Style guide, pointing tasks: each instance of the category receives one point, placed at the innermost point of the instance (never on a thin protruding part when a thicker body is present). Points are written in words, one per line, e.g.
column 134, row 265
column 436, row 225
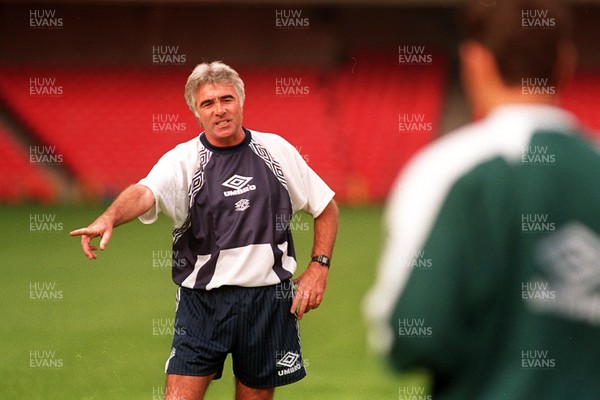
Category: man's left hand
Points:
column 311, row 287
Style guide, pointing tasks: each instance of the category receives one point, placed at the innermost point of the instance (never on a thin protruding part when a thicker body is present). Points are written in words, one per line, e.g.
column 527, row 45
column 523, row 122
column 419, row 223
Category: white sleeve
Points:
column 307, row 190
column 393, row 272
column 411, row 211
column 168, row 181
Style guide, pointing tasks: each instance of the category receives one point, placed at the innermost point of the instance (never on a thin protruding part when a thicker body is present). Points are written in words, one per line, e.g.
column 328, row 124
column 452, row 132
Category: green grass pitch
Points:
column 78, row 329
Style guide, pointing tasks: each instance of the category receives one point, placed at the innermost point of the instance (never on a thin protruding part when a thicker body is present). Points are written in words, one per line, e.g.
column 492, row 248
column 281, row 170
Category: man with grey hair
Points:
column 233, row 255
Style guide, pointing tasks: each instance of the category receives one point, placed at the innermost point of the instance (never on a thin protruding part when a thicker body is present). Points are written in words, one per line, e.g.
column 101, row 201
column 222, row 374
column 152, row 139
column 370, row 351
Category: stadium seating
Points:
column 112, row 124
column 297, row 103
column 19, row 179
column 387, row 111
column 101, row 120
column 352, row 124
column 356, row 124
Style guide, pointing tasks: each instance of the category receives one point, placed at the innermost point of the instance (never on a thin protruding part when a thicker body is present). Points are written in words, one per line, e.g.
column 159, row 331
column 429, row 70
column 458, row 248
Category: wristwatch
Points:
column 322, row 259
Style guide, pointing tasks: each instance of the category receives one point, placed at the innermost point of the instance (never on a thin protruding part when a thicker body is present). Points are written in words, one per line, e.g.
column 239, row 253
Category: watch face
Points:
column 323, row 260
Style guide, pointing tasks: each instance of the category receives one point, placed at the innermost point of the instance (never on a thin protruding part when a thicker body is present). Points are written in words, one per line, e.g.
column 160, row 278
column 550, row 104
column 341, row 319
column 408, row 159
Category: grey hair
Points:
column 213, row 72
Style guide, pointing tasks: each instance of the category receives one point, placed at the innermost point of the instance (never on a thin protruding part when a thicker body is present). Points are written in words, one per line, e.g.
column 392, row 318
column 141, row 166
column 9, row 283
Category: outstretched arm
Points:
column 131, row 203
column 312, row 283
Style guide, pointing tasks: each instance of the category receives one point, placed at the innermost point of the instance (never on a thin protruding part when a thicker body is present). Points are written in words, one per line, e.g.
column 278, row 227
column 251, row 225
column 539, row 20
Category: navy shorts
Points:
column 254, row 325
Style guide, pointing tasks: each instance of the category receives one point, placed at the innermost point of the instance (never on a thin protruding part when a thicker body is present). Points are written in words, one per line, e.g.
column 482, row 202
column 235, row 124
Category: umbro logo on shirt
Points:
column 239, row 184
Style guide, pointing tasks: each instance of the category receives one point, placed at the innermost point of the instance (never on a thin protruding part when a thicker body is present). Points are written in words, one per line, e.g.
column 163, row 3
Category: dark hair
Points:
column 523, row 35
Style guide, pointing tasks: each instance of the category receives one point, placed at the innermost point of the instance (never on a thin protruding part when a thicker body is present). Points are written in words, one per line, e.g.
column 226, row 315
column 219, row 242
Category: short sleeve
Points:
column 308, row 191
column 168, row 181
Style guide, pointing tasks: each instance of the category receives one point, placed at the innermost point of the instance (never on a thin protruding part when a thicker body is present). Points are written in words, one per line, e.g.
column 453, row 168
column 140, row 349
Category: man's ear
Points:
column 480, row 76
column 477, row 61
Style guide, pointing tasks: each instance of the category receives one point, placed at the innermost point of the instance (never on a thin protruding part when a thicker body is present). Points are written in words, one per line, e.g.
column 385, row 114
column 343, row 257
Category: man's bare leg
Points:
column 243, row 392
column 184, row 387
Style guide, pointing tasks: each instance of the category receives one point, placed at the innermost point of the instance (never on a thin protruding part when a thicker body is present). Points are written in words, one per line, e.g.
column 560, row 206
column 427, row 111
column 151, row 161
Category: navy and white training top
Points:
column 231, row 208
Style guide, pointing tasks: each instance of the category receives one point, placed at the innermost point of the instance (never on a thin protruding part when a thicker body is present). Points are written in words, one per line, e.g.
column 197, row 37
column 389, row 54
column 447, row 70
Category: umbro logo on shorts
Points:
column 288, row 359
column 290, row 362
column 239, row 184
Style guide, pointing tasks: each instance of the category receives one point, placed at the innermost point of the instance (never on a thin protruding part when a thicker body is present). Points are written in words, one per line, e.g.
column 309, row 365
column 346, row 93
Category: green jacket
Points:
column 500, row 297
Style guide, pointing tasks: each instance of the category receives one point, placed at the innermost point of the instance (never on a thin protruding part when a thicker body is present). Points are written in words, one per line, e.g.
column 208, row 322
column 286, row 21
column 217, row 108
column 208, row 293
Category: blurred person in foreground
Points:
column 231, row 193
column 490, row 278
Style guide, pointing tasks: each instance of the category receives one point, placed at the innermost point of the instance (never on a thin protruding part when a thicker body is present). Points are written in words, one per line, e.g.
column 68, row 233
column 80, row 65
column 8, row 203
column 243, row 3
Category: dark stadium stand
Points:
column 355, row 103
